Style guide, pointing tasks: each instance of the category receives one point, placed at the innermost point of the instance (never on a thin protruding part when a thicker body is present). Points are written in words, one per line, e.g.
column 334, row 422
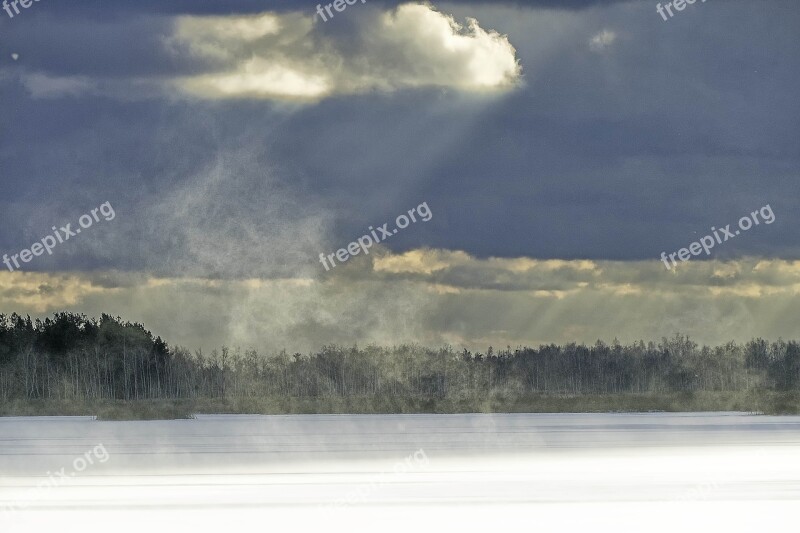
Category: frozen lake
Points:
column 561, row 472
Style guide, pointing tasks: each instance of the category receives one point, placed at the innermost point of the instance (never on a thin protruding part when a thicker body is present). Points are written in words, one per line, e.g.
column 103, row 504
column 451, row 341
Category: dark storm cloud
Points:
column 614, row 154
column 217, row 7
column 630, row 136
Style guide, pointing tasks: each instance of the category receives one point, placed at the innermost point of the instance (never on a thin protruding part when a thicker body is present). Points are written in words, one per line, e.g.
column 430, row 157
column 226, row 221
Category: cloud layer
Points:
column 291, row 56
column 437, row 297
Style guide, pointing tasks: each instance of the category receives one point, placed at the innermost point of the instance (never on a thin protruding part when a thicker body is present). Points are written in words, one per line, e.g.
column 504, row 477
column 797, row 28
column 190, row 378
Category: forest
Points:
column 73, row 360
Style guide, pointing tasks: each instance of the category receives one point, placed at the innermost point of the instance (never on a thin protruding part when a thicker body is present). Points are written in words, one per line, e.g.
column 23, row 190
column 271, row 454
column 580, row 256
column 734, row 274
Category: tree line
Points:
column 72, row 357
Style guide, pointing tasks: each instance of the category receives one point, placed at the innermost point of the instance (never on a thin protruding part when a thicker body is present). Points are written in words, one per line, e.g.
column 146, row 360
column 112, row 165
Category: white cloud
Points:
column 293, row 56
column 289, row 56
column 43, row 86
column 259, row 77
column 602, row 41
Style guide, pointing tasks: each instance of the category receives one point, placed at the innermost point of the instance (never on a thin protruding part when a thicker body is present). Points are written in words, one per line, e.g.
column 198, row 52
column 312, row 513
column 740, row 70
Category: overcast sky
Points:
column 561, row 147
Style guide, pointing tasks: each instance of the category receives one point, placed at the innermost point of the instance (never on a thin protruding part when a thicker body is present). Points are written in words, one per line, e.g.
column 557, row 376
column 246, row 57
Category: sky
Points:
column 559, row 147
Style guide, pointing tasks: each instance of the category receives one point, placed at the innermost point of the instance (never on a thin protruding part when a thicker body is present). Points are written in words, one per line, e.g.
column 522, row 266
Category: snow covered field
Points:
column 519, row 472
